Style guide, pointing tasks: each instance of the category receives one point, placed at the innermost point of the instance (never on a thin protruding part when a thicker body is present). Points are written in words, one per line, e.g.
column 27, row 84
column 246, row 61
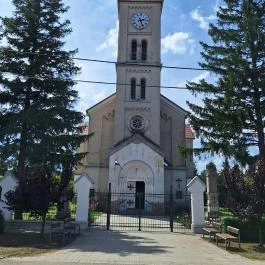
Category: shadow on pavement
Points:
column 122, row 243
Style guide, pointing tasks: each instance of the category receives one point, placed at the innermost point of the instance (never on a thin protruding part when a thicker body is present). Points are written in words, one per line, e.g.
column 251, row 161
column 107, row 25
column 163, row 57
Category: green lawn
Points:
column 94, row 216
column 247, row 250
column 14, row 244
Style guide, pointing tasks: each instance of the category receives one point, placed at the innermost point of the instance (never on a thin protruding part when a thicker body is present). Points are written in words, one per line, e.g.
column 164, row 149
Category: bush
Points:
column 184, row 219
column 249, row 230
column 2, row 223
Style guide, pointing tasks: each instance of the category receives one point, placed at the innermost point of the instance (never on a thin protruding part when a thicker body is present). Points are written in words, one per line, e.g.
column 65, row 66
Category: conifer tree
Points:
column 231, row 118
column 38, row 122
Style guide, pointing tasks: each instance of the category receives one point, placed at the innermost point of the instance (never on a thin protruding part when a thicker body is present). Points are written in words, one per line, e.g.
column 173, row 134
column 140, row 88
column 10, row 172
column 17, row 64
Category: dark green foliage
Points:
column 184, row 219
column 249, row 229
column 246, row 193
column 2, row 223
column 222, row 187
column 232, row 117
column 39, row 128
column 42, row 189
column 38, row 124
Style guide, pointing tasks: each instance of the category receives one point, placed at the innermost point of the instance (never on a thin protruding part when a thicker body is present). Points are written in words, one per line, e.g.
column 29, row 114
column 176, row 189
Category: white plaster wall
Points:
column 149, row 164
column 7, row 184
column 82, row 188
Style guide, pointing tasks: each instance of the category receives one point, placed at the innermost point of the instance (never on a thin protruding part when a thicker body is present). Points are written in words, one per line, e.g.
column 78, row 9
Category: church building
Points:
column 137, row 130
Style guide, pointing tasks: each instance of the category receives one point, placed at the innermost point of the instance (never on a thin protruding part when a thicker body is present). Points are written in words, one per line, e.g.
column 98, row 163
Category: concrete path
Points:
column 134, row 248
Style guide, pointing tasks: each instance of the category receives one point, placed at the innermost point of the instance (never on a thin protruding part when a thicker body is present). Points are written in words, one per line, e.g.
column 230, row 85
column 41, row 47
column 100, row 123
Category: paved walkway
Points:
column 134, row 248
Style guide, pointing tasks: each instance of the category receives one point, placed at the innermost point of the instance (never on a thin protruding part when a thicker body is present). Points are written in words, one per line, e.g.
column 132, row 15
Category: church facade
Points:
column 137, row 131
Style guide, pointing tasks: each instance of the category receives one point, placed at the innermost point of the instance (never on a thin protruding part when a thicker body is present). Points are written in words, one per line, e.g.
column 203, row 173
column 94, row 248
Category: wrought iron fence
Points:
column 139, row 211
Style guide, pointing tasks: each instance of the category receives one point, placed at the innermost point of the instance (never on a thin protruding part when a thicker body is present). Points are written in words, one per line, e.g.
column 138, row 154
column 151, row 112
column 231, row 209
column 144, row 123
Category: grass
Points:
column 250, row 251
column 94, row 216
column 224, row 213
column 52, row 213
column 247, row 250
column 26, row 244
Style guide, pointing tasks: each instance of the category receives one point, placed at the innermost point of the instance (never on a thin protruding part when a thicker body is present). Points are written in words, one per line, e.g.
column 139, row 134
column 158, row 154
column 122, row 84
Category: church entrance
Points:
column 140, row 195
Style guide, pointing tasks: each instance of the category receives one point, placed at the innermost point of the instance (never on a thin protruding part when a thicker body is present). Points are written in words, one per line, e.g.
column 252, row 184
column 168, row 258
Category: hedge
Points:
column 249, row 230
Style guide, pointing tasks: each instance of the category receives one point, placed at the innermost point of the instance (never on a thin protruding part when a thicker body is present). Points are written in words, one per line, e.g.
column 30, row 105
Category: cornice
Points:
column 140, row 71
column 140, row 7
column 146, row 109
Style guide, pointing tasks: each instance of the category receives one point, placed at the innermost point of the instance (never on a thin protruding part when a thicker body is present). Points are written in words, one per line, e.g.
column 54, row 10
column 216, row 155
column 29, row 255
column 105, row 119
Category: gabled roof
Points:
column 135, row 138
column 113, row 96
column 189, row 132
column 173, row 105
column 101, row 103
column 84, row 176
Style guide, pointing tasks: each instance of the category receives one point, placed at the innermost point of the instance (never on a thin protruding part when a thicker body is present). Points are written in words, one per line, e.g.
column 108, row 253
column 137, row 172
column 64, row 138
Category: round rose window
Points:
column 137, row 123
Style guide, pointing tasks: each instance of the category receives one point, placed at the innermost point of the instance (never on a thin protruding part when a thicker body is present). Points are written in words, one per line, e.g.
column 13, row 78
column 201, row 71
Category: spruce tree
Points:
column 231, row 118
column 38, row 124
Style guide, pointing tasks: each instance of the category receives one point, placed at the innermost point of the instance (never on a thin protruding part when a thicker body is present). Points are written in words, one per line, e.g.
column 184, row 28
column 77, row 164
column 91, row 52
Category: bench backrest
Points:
column 232, row 230
column 216, row 225
column 56, row 225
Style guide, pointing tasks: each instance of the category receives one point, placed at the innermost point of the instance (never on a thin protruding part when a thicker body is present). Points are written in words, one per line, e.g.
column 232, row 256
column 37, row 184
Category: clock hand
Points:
column 141, row 21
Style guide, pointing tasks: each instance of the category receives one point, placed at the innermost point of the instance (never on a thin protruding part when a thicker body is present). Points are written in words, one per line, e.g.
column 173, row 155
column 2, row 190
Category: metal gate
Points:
column 139, row 211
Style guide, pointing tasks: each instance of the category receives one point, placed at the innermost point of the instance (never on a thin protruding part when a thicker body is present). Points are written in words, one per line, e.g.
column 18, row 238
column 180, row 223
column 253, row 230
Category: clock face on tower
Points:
column 140, row 20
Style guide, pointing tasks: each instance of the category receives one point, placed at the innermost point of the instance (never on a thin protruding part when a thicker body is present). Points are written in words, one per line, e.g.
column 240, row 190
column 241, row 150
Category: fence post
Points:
column 171, row 210
column 109, row 207
column 139, row 211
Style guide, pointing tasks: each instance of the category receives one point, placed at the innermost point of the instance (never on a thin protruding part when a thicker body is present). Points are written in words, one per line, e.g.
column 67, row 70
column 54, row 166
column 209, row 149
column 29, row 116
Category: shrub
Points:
column 249, row 230
column 2, row 223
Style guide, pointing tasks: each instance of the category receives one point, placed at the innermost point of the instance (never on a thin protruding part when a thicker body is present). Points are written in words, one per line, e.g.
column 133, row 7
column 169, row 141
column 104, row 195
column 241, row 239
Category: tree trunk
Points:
column 260, row 234
column 43, row 225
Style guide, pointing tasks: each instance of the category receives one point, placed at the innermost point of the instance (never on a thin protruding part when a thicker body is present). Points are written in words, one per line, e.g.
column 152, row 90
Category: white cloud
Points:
column 177, row 43
column 111, row 41
column 203, row 75
column 203, row 21
column 90, row 94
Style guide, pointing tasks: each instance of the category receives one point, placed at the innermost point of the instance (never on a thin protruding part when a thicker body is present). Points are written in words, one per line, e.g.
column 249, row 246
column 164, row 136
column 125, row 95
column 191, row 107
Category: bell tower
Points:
column 138, row 70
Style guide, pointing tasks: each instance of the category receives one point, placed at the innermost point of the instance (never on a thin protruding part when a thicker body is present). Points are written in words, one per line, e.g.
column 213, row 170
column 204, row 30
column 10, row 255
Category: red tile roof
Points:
column 188, row 132
column 85, row 129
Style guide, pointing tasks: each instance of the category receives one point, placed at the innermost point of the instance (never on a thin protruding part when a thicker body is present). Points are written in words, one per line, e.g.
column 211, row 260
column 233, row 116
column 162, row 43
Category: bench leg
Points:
column 217, row 241
column 63, row 239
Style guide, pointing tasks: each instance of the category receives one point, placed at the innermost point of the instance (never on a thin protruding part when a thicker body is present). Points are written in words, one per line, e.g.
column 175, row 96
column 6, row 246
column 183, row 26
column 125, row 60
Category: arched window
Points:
column 143, row 86
column 134, row 50
column 144, row 50
column 133, row 88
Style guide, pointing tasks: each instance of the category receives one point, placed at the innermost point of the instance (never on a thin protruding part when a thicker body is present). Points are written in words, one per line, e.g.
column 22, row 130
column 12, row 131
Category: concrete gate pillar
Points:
column 196, row 187
column 8, row 183
column 83, row 185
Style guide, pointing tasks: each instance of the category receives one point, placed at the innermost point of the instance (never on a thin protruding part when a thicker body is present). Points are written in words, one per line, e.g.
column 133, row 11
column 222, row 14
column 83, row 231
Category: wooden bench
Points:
column 233, row 234
column 72, row 227
column 57, row 229
column 212, row 230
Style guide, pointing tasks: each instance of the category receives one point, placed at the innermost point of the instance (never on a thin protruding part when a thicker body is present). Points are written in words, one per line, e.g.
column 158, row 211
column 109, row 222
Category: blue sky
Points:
column 94, row 24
